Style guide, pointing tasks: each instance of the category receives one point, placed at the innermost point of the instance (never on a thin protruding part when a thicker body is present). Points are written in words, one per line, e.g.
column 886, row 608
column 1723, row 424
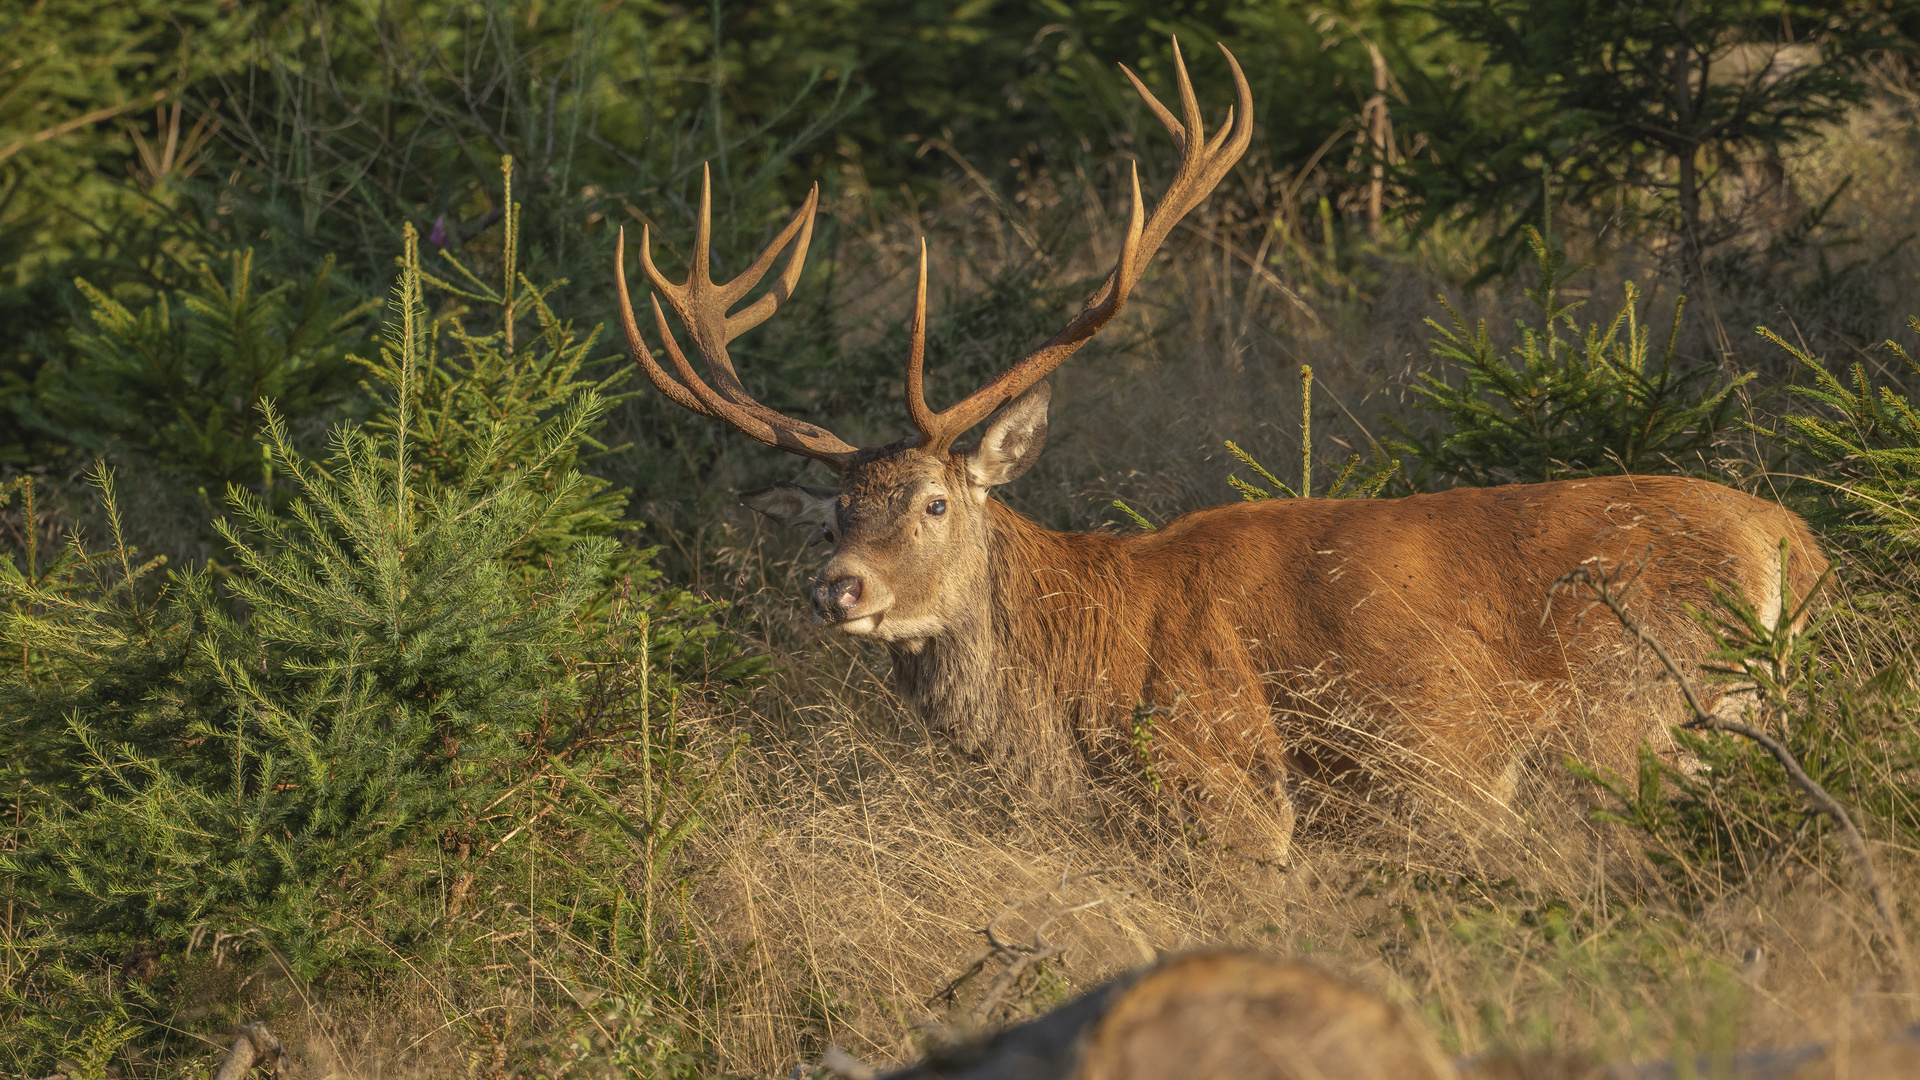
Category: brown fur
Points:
column 1300, row 637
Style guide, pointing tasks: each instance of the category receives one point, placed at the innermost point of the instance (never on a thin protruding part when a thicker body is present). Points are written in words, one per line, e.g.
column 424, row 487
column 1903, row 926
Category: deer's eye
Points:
column 936, row 507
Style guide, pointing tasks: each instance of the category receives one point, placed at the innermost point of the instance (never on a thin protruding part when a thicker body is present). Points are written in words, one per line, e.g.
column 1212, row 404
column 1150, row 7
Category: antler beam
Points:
column 702, row 308
column 702, row 305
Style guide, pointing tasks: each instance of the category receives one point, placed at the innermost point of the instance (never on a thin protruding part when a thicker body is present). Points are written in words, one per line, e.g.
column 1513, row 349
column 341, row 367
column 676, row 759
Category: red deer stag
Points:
column 1036, row 649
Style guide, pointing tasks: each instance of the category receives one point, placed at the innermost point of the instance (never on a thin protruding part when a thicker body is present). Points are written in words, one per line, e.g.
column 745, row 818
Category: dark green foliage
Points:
column 324, row 127
column 1868, row 439
column 352, row 121
column 85, row 88
column 181, row 382
column 1638, row 109
column 1564, row 401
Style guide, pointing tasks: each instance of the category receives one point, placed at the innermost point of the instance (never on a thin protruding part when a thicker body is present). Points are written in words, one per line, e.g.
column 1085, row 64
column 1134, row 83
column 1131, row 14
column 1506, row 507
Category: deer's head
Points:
column 908, row 521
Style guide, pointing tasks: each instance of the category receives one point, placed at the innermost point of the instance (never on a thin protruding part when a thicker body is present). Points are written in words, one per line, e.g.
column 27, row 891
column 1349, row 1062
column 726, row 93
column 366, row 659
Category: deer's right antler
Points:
column 702, row 307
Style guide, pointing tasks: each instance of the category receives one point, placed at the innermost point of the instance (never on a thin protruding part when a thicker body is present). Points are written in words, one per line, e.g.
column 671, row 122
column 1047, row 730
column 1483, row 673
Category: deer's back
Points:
column 1440, row 603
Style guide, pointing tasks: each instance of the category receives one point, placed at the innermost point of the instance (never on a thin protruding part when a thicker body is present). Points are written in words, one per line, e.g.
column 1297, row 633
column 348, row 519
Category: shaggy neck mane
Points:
column 1015, row 675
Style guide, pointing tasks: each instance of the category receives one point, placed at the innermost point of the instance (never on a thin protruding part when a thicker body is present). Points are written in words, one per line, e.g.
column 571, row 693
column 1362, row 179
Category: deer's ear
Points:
column 797, row 504
column 1014, row 439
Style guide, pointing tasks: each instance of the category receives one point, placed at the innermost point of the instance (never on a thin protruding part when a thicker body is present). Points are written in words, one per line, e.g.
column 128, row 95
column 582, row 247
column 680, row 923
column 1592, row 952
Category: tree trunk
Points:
column 1686, row 149
column 1378, row 132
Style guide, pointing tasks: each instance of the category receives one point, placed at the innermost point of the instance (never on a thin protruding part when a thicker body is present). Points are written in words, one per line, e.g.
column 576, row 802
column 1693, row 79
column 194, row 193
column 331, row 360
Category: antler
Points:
column 1202, row 165
column 702, row 307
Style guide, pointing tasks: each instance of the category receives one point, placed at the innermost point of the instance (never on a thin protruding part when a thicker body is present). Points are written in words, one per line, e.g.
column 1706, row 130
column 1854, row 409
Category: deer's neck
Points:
column 1022, row 670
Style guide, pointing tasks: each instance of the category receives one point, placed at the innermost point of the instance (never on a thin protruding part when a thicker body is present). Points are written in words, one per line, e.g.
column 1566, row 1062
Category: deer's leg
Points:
column 1221, row 756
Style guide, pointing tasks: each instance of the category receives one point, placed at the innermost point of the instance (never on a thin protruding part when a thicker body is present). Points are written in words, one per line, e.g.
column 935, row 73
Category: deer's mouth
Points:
column 865, row 624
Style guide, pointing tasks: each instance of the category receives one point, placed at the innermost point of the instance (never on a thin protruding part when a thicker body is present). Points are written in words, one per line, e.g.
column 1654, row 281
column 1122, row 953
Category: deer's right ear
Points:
column 797, row 504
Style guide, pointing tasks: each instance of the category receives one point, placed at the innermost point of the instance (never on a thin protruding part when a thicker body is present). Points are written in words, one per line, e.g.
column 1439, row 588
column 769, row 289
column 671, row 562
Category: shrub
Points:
column 1736, row 814
column 433, row 642
column 180, row 382
column 1867, row 444
column 1563, row 401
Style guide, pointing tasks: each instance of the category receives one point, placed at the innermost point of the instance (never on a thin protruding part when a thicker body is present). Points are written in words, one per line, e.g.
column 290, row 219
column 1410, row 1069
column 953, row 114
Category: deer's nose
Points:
column 835, row 600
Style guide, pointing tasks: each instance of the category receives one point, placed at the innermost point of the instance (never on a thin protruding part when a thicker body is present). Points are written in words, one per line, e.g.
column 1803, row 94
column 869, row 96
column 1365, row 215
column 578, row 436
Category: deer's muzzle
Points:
column 849, row 604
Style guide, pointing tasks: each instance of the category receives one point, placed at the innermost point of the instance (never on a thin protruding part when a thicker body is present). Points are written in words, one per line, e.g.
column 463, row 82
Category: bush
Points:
column 1735, row 814
column 1569, row 402
column 1867, row 441
column 325, row 750
column 184, row 389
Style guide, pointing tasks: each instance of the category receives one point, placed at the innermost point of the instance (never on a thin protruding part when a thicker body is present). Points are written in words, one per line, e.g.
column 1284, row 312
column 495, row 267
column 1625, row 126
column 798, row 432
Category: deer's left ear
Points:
column 1014, row 439
column 797, row 504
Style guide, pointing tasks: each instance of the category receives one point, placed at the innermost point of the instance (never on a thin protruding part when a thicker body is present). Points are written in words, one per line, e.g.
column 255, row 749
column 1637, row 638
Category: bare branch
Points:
column 1016, row 957
column 1604, row 589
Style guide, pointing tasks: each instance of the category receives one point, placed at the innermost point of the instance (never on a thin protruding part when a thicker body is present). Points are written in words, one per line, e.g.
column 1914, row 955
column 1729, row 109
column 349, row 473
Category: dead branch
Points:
column 1603, row 589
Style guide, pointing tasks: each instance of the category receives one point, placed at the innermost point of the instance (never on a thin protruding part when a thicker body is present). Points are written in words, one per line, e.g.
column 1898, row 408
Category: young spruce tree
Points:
column 280, row 754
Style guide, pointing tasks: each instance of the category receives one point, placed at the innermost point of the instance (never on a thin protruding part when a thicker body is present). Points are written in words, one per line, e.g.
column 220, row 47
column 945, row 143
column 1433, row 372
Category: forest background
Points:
column 386, row 662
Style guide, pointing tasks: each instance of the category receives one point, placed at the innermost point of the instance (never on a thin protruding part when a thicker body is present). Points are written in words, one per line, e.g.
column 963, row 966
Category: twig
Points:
column 1603, row 590
column 255, row 1045
column 1016, row 967
column 1017, row 957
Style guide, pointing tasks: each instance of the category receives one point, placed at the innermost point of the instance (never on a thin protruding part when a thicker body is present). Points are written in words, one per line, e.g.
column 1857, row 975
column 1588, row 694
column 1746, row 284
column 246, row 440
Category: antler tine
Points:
column 637, row 346
column 702, row 306
column 917, row 411
column 1203, row 163
column 1189, row 101
column 757, row 312
column 689, row 306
